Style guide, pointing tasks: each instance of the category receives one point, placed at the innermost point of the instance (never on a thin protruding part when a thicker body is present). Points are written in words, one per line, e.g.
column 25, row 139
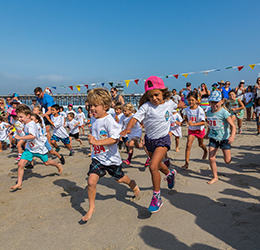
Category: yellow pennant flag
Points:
column 185, row 75
column 127, row 82
column 252, row 66
column 78, row 87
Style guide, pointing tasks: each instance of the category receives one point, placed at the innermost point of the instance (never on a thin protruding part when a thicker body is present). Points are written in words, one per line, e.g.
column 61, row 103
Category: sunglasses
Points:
column 38, row 94
column 1, row 103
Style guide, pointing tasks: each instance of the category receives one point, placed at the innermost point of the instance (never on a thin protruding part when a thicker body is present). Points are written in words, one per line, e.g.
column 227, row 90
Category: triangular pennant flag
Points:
column 86, row 85
column 166, row 76
column 71, row 87
column 240, row 67
column 49, row 90
column 185, row 75
column 102, row 84
column 176, row 76
column 231, row 67
column 111, row 84
column 136, row 81
column 127, row 82
column 61, row 86
column 54, row 87
column 206, row 73
column 78, row 87
column 252, row 66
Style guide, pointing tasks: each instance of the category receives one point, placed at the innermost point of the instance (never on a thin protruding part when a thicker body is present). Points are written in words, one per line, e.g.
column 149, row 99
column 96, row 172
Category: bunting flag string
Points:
column 136, row 80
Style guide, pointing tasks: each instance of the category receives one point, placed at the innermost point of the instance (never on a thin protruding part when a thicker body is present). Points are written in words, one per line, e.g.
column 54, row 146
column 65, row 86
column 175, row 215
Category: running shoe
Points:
column 72, row 152
column 167, row 162
column 18, row 158
column 29, row 166
column 62, row 160
column 147, row 162
column 240, row 130
column 155, row 205
column 127, row 162
column 171, row 178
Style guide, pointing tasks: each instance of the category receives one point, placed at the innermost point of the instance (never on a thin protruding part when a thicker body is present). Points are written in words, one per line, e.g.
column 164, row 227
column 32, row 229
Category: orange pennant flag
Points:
column 185, row 75
column 252, row 66
column 240, row 67
column 78, row 87
column 127, row 82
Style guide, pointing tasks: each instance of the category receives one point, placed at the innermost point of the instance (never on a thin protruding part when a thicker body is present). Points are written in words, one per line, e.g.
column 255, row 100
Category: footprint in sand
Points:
column 241, row 183
column 65, row 174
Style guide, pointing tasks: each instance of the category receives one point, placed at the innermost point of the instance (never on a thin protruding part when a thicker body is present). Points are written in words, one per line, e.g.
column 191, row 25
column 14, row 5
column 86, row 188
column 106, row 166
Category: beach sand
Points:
column 46, row 213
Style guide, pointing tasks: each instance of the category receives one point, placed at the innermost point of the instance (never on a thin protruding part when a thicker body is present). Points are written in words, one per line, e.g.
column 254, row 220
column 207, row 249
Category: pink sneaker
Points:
column 127, row 162
column 147, row 162
column 18, row 158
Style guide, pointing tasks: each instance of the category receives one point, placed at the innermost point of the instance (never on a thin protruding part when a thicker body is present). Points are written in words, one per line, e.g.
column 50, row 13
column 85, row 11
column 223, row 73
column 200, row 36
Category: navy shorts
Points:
column 97, row 168
column 219, row 144
column 64, row 140
column 76, row 136
column 257, row 121
column 152, row 144
column 46, row 121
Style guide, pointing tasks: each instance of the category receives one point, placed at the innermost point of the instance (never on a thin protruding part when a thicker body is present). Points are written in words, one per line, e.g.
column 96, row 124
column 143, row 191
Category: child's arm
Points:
column 233, row 130
column 49, row 119
column 26, row 137
column 185, row 119
column 76, row 124
column 129, row 126
column 103, row 142
column 196, row 123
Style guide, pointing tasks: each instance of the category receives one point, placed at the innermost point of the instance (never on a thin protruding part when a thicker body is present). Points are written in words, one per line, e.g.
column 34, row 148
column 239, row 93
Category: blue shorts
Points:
column 257, row 121
column 64, row 140
column 27, row 155
column 152, row 144
column 219, row 144
column 97, row 168
column 48, row 145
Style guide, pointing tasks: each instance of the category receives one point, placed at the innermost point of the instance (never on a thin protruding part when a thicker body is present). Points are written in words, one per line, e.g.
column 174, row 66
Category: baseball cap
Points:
column 15, row 95
column 153, row 82
column 13, row 113
column 70, row 105
column 215, row 96
column 242, row 81
column 188, row 84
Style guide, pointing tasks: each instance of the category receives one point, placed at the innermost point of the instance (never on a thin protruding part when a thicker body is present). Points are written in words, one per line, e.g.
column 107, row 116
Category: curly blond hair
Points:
column 100, row 96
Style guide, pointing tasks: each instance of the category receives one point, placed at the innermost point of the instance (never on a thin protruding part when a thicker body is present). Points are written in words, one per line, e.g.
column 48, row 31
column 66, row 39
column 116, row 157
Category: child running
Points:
column 218, row 132
column 195, row 117
column 257, row 112
column 3, row 132
column 59, row 133
column 81, row 118
column 72, row 124
column 34, row 146
column 136, row 132
column 249, row 102
column 175, row 128
column 105, row 155
column 236, row 107
column 118, row 111
column 154, row 110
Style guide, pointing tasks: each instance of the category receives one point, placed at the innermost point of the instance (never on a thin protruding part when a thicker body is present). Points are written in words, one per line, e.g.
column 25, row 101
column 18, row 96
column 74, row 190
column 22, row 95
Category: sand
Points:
column 46, row 213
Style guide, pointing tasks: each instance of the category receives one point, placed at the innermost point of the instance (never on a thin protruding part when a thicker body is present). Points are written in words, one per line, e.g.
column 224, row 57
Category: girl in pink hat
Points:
column 155, row 109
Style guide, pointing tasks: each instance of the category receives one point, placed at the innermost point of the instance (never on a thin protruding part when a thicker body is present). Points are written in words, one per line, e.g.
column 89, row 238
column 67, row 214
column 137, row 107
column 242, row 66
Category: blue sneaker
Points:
column 155, row 205
column 171, row 179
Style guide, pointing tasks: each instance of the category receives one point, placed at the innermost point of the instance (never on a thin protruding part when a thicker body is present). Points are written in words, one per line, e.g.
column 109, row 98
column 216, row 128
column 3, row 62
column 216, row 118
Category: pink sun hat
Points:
column 13, row 113
column 153, row 82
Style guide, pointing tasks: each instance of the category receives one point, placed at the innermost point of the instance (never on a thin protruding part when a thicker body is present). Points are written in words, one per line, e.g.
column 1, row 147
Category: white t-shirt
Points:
column 63, row 114
column 175, row 128
column 111, row 112
column 71, row 125
column 3, row 130
column 176, row 98
column 43, row 126
column 118, row 116
column 71, row 111
column 195, row 115
column 136, row 131
column 81, row 118
column 257, row 111
column 156, row 118
column 248, row 96
column 59, row 129
column 102, row 128
column 257, row 91
column 19, row 128
column 41, row 132
column 36, row 145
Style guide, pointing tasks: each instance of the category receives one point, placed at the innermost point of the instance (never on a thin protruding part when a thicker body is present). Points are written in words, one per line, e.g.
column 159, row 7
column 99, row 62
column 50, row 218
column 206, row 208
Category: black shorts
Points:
column 76, row 136
column 46, row 121
column 97, row 168
column 152, row 144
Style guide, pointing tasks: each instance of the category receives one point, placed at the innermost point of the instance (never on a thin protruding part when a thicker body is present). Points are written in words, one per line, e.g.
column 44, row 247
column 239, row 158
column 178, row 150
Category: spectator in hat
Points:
column 221, row 84
column 34, row 104
column 240, row 90
column 15, row 97
column 185, row 92
column 225, row 90
column 214, row 86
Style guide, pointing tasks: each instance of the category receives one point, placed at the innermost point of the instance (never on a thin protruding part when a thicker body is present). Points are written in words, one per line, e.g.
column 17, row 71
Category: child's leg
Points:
column 131, row 183
column 202, row 145
column 83, row 131
column 227, row 155
column 80, row 141
column 138, row 144
column 187, row 151
column 1, row 149
column 55, row 164
column 213, row 164
column 92, row 190
column 70, row 139
column 21, row 165
column 248, row 113
column 258, row 129
column 239, row 124
column 54, row 143
column 177, row 143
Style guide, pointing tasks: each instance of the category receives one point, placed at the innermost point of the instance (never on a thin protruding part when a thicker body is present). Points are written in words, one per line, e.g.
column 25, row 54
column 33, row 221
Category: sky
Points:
column 52, row 43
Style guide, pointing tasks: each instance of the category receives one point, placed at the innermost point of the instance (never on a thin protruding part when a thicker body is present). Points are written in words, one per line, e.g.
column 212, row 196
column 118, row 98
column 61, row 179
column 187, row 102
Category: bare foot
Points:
column 134, row 187
column 212, row 181
column 88, row 155
column 81, row 142
column 205, row 155
column 88, row 215
column 17, row 187
column 185, row 166
column 60, row 168
column 177, row 150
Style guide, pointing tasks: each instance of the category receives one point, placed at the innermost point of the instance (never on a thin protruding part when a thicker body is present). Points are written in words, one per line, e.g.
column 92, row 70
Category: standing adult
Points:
column 16, row 97
column 221, row 84
column 225, row 90
column 204, row 96
column 46, row 101
column 185, row 93
column 115, row 96
column 257, row 88
column 240, row 90
column 176, row 98
column 34, row 104
column 3, row 107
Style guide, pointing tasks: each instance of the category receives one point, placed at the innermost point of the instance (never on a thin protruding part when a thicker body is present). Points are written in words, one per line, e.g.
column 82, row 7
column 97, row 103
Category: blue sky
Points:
column 52, row 43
